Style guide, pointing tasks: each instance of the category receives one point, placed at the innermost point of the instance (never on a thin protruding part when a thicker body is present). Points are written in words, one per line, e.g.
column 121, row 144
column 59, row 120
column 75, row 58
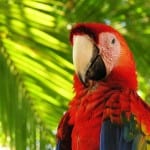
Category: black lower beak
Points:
column 97, row 69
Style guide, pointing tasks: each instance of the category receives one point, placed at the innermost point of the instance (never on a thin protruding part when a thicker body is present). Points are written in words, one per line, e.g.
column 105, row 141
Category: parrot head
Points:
column 100, row 54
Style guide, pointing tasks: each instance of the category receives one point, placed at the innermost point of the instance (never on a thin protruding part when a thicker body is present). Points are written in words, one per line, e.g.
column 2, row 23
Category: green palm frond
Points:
column 36, row 72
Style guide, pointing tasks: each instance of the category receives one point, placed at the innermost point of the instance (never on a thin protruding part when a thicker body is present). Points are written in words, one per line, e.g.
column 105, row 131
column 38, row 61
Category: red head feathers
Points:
column 101, row 49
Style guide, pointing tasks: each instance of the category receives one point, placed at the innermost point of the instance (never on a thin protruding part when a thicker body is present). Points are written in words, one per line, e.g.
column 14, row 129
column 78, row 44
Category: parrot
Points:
column 106, row 112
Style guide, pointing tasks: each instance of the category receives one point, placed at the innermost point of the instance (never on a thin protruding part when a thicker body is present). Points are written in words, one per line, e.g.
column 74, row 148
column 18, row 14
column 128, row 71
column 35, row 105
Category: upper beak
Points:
column 86, row 58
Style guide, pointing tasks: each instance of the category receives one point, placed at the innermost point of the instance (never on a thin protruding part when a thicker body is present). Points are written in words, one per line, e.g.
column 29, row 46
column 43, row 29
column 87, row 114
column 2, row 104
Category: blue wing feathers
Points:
column 58, row 146
column 124, row 144
column 117, row 137
column 112, row 137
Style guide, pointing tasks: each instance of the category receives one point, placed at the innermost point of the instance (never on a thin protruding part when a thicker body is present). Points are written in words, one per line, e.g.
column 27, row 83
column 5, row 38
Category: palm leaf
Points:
column 35, row 90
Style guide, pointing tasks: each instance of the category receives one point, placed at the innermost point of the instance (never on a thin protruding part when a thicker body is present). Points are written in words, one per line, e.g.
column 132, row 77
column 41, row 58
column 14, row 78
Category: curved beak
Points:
column 88, row 63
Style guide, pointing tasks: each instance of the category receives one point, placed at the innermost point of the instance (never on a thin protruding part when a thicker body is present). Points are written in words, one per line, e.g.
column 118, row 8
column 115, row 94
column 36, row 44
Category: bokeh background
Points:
column 36, row 70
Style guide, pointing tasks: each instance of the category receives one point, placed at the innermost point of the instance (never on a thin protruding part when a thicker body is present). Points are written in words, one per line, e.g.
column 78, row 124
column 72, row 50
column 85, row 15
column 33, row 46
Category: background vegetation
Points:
column 36, row 61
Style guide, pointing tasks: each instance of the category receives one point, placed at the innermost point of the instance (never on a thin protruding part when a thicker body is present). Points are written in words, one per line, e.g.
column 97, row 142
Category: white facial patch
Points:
column 82, row 53
column 109, row 47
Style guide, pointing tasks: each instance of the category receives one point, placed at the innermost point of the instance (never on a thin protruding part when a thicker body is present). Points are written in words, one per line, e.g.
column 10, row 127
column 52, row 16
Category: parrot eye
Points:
column 113, row 41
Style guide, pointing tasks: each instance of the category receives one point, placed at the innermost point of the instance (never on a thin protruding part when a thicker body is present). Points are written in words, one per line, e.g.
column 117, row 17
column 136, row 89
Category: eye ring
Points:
column 113, row 41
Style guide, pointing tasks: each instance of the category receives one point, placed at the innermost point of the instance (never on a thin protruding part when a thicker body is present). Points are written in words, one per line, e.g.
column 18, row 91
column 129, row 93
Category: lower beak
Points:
column 97, row 69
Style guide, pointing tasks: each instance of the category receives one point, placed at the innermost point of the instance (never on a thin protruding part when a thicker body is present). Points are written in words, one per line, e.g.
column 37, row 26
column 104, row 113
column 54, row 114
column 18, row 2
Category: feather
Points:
column 64, row 134
column 58, row 146
column 121, row 137
column 112, row 137
column 139, row 143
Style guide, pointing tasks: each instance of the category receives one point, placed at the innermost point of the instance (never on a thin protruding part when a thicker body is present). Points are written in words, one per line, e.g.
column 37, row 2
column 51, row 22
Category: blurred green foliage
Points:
column 36, row 61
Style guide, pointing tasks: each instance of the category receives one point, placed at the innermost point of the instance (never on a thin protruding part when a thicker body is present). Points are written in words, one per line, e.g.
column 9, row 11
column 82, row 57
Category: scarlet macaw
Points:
column 106, row 112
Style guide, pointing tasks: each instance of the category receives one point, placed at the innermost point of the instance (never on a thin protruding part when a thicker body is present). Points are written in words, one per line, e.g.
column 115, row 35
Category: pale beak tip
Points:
column 82, row 78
